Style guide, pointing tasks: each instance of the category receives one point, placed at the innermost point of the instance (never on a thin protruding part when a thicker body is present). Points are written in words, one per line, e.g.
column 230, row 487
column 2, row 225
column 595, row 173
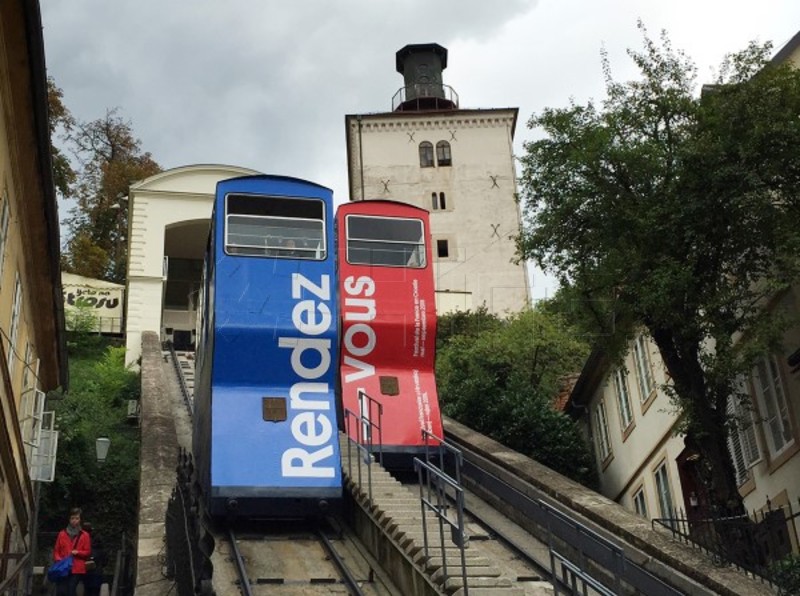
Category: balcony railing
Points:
column 423, row 97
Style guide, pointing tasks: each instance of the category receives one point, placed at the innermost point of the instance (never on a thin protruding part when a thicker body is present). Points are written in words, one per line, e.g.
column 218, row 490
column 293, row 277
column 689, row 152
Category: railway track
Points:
column 293, row 559
column 274, row 558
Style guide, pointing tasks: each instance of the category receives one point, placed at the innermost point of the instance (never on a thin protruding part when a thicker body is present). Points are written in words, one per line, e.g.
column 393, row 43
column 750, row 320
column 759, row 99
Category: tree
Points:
column 96, row 406
column 464, row 323
column 502, row 379
column 110, row 159
column 676, row 213
column 61, row 124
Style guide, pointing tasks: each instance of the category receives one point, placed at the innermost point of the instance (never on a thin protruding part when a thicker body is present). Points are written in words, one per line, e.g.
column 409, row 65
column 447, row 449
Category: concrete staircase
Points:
column 398, row 536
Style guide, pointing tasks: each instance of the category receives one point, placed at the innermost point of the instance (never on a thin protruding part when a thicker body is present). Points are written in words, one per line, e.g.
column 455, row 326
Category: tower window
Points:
column 442, row 249
column 438, row 201
column 443, row 153
column 426, row 154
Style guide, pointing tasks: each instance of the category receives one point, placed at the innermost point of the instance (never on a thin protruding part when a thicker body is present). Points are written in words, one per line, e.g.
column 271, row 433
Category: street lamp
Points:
column 101, row 446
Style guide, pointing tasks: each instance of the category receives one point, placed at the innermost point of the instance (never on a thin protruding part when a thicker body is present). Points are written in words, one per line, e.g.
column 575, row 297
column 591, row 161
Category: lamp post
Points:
column 101, row 446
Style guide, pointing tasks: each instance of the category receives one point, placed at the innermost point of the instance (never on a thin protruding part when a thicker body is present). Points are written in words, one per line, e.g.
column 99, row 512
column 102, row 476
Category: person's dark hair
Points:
column 75, row 511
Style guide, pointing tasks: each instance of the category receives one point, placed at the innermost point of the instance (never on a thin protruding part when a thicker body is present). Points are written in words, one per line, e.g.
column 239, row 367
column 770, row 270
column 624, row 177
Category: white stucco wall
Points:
column 177, row 195
column 649, row 441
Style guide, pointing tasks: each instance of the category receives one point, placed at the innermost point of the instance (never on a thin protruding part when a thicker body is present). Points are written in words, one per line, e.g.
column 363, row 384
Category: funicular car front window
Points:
column 275, row 227
column 388, row 241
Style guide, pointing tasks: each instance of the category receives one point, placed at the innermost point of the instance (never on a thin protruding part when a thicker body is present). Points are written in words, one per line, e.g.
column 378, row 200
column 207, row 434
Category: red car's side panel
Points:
column 388, row 336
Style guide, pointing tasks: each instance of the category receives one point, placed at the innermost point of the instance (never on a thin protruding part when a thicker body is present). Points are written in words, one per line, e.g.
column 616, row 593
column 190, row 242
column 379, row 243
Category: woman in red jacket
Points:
column 73, row 541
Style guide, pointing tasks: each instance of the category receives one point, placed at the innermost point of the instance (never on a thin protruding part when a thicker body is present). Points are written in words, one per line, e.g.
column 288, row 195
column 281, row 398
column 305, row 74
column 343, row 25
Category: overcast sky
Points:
column 267, row 84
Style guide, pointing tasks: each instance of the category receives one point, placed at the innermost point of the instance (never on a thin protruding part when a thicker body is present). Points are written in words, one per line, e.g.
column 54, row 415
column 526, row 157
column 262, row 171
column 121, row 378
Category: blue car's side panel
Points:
column 274, row 336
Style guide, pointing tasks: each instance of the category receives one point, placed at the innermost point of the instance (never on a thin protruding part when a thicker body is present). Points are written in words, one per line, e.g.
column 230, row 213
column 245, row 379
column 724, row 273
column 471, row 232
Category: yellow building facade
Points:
column 32, row 348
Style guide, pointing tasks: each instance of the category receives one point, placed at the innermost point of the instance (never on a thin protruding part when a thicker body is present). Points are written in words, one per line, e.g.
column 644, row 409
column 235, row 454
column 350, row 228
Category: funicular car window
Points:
column 281, row 227
column 389, row 241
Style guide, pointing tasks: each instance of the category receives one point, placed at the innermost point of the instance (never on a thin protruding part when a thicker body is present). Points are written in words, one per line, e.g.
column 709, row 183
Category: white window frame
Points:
column 43, row 459
column 742, row 442
column 26, row 372
column 601, row 429
column 663, row 491
column 623, row 398
column 4, row 219
column 644, row 371
column 16, row 311
column 640, row 503
column 773, row 406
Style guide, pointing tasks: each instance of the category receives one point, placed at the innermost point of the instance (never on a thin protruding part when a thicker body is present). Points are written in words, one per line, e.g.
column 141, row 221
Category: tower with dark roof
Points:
column 456, row 162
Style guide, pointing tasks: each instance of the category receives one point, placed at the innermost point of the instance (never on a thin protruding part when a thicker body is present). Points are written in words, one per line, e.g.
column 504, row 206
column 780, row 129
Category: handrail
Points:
column 444, row 448
column 437, row 483
column 587, row 544
column 367, row 430
column 22, row 565
column 440, row 96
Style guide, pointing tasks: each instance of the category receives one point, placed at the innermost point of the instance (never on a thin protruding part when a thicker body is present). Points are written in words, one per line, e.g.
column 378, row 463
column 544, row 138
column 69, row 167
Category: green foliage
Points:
column 786, row 574
column 96, row 406
column 61, row 122
column 80, row 320
column 678, row 212
column 109, row 159
column 502, row 377
column 464, row 323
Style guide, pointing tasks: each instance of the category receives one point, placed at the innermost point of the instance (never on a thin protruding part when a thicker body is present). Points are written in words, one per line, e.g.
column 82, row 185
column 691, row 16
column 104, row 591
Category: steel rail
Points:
column 347, row 577
column 244, row 581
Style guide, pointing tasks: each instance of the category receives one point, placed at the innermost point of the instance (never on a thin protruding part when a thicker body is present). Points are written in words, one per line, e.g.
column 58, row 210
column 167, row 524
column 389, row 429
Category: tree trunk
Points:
column 705, row 414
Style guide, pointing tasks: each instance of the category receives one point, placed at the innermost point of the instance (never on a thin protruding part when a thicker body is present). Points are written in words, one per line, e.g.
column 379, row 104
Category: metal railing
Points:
column 433, row 494
column 368, row 439
column 573, row 577
column 753, row 543
column 425, row 96
column 569, row 538
column 444, row 450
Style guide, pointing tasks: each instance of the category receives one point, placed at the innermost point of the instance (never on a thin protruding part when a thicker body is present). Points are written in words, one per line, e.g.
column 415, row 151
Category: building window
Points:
column 601, row 429
column 640, row 503
column 26, row 372
column 772, row 403
column 623, row 399
column 742, row 442
column 426, row 154
column 15, row 312
column 644, row 373
column 443, row 153
column 4, row 217
column 664, row 493
column 438, row 201
column 442, row 249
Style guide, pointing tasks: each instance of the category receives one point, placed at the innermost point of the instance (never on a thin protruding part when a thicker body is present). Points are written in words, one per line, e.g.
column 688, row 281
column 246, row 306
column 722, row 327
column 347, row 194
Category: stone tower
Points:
column 458, row 164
